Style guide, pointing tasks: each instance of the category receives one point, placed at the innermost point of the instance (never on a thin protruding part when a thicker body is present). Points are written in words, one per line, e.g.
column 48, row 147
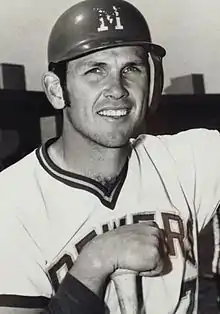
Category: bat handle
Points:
column 126, row 288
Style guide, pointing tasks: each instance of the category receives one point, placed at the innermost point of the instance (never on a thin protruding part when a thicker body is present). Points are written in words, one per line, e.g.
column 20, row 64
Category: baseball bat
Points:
column 126, row 289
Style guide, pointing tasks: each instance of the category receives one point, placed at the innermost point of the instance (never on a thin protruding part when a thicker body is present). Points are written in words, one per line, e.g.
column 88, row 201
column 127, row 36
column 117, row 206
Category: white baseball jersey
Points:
column 47, row 215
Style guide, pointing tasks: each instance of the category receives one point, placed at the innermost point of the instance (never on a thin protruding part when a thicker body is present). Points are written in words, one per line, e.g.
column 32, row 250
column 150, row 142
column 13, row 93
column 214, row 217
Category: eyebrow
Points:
column 91, row 64
column 136, row 62
column 83, row 66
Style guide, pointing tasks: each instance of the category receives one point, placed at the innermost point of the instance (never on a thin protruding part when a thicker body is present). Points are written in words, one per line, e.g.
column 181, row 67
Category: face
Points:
column 108, row 91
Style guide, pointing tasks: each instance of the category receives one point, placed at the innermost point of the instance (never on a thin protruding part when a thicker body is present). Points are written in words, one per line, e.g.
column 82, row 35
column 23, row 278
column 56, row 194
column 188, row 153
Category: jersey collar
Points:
column 108, row 197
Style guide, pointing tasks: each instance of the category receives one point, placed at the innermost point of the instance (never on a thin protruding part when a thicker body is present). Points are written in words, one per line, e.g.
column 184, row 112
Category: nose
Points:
column 115, row 89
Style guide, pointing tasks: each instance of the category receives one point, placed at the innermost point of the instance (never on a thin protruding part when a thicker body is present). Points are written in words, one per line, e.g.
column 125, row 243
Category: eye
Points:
column 131, row 69
column 95, row 70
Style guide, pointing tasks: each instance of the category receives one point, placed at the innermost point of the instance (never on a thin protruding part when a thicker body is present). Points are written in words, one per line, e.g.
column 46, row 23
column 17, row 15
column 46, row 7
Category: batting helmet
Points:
column 93, row 25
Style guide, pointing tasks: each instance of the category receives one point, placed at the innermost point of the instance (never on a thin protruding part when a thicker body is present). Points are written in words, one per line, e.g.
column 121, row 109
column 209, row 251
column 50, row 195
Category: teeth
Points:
column 113, row 113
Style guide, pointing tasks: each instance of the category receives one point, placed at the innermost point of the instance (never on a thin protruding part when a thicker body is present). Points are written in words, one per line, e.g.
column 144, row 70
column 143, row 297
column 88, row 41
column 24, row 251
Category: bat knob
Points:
column 126, row 288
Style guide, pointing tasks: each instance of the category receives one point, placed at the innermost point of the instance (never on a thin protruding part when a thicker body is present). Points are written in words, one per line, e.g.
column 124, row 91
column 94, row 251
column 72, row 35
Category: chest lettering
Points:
column 173, row 229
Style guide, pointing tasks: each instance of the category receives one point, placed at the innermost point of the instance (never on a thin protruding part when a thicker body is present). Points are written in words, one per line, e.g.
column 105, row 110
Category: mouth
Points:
column 114, row 113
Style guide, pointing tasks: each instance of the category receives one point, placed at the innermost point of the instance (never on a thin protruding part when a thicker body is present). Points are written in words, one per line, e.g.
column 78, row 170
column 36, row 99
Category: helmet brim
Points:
column 93, row 46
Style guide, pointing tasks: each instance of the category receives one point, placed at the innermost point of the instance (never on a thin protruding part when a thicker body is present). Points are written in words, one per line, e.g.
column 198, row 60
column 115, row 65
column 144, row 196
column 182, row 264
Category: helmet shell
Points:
column 92, row 25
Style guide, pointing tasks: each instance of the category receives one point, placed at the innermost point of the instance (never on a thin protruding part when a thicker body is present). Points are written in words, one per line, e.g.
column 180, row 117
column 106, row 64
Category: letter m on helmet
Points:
column 107, row 19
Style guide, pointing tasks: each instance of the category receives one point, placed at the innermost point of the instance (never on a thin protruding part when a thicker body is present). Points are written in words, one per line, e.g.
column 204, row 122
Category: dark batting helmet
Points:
column 93, row 25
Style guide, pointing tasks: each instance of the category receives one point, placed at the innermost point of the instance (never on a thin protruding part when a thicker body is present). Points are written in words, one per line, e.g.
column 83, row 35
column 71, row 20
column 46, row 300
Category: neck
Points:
column 88, row 158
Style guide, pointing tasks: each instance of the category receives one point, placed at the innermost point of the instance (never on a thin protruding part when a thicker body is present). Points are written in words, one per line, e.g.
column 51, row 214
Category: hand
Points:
column 137, row 247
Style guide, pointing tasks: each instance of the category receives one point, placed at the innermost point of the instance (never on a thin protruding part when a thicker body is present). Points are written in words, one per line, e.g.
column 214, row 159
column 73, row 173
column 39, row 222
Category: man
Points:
column 77, row 189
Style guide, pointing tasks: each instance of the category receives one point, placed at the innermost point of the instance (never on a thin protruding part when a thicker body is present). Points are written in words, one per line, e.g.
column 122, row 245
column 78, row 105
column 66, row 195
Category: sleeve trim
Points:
column 72, row 295
column 26, row 302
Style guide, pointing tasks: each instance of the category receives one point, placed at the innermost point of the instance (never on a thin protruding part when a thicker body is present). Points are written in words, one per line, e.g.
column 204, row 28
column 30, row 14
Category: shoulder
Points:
column 195, row 137
column 192, row 151
column 16, row 180
column 185, row 141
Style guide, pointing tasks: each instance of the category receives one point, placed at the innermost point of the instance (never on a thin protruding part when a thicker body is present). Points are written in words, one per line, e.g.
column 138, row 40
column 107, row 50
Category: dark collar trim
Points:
column 107, row 197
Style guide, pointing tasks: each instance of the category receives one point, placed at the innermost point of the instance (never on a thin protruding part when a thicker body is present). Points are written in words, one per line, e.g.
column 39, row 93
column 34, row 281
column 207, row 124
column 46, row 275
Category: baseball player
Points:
column 105, row 74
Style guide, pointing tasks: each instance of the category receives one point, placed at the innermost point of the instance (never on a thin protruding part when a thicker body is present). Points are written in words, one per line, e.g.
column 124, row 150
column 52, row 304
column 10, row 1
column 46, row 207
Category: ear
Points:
column 53, row 90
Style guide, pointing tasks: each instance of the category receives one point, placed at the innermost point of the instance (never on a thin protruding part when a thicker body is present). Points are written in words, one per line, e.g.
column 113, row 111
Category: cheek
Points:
column 138, row 87
column 139, row 94
column 84, row 93
column 75, row 91
column 81, row 106
column 143, row 84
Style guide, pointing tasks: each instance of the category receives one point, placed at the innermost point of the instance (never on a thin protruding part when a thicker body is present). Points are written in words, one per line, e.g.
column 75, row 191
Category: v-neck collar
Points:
column 108, row 197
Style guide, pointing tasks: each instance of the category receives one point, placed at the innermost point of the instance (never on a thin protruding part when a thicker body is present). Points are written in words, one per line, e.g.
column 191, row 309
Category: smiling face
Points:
column 108, row 92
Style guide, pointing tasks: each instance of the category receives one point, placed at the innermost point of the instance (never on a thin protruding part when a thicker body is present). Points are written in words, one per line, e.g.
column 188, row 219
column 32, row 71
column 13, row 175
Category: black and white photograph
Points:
column 109, row 157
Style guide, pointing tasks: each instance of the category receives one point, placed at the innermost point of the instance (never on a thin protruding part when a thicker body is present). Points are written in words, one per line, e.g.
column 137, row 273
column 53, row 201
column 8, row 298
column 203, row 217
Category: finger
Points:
column 122, row 271
column 149, row 223
column 161, row 259
column 148, row 228
column 158, row 270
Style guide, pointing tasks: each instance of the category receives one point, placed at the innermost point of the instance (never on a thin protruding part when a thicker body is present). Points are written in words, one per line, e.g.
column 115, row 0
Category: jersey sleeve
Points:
column 73, row 297
column 23, row 281
column 206, row 153
column 197, row 157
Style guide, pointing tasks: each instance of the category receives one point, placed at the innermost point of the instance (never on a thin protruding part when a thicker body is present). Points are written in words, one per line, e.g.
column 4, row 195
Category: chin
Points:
column 111, row 138
column 114, row 142
column 116, row 145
